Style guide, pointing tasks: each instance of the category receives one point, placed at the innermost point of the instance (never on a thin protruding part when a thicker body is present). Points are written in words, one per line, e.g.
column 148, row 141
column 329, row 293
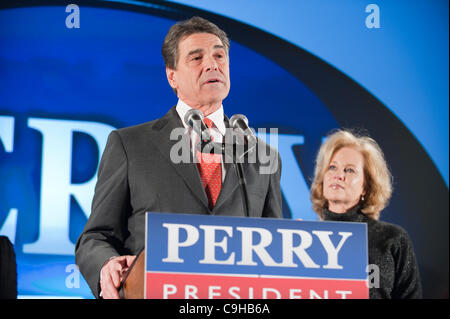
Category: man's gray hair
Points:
column 183, row 29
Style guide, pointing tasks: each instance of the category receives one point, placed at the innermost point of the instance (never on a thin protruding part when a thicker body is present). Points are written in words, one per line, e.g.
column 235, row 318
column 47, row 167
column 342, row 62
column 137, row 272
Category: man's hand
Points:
column 111, row 275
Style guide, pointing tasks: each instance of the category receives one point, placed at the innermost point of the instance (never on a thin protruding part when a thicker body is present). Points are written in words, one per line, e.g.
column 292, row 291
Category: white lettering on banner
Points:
column 191, row 292
column 169, row 290
column 314, row 295
column 233, row 291
column 295, row 294
column 270, row 293
column 210, row 244
column 289, row 248
column 214, row 291
column 332, row 251
column 173, row 242
column 343, row 293
column 249, row 248
column 56, row 186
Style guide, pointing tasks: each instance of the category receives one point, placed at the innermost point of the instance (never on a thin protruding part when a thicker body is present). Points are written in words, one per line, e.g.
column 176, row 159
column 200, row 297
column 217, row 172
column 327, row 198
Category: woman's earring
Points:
column 362, row 198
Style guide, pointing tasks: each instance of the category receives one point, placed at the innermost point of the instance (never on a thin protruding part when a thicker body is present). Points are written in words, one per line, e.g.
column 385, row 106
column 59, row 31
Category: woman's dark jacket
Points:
column 390, row 249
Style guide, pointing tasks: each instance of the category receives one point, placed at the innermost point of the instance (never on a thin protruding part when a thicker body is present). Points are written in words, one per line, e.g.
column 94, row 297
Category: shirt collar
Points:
column 217, row 117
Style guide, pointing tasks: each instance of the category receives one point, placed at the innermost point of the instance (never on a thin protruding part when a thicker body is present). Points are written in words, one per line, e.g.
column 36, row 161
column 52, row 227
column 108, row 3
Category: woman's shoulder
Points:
column 390, row 227
column 388, row 231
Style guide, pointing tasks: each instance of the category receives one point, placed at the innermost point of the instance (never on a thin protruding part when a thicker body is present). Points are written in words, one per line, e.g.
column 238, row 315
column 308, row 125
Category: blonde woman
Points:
column 352, row 183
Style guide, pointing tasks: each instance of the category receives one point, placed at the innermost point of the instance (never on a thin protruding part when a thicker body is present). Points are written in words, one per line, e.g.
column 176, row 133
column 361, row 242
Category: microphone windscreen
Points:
column 234, row 120
column 193, row 115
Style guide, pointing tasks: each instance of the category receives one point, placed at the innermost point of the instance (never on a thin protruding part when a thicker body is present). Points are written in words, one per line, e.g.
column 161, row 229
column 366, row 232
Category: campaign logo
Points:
column 215, row 257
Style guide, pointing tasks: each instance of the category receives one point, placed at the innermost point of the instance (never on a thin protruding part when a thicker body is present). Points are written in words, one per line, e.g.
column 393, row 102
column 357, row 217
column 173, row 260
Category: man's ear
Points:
column 171, row 77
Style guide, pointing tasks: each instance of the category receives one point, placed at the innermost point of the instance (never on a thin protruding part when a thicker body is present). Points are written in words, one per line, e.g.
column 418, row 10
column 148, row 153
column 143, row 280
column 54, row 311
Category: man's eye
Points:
column 196, row 58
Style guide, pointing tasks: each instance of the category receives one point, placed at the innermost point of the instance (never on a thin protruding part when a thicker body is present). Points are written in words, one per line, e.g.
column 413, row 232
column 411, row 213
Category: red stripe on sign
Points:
column 194, row 286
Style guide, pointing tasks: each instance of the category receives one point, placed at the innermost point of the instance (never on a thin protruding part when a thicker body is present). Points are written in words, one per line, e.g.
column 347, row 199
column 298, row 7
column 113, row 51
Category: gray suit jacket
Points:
column 136, row 175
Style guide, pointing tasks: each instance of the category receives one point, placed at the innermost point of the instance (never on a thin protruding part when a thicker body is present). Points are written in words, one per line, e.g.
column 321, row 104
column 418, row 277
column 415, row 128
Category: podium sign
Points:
column 209, row 257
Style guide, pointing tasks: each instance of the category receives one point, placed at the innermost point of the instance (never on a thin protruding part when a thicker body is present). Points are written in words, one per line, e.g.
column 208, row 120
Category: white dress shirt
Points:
column 217, row 133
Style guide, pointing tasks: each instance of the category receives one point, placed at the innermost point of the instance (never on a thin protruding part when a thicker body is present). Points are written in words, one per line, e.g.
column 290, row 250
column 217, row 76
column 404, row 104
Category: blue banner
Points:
column 186, row 254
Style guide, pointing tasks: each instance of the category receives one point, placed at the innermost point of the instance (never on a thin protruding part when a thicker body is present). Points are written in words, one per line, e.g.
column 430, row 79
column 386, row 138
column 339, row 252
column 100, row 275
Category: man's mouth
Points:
column 212, row 81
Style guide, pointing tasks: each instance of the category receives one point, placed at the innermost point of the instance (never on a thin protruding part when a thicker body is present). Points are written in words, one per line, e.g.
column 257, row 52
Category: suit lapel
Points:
column 187, row 171
column 228, row 186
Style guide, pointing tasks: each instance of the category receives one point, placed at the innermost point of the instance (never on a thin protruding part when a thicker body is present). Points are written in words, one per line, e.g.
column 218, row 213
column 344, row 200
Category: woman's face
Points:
column 343, row 182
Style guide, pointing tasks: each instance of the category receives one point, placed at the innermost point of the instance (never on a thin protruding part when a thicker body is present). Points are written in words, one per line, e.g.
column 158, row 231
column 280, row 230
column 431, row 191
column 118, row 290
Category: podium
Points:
column 132, row 286
column 205, row 257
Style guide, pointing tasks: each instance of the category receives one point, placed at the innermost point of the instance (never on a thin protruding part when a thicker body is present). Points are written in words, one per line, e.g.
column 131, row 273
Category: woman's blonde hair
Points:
column 377, row 177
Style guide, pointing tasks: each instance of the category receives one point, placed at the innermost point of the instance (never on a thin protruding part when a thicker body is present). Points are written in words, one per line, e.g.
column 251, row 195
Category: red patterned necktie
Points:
column 210, row 169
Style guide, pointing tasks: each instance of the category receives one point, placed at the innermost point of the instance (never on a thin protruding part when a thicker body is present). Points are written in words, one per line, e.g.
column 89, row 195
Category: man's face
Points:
column 202, row 75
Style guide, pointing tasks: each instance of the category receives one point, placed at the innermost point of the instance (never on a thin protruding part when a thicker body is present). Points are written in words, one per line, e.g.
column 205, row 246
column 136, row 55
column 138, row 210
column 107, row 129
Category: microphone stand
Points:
column 240, row 173
column 223, row 148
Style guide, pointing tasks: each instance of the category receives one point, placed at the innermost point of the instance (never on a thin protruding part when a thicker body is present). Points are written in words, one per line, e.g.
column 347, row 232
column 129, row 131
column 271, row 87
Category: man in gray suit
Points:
column 138, row 175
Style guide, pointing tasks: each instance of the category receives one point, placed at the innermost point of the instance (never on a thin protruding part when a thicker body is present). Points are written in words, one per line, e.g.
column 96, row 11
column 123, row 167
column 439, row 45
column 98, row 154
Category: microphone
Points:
column 240, row 123
column 194, row 119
